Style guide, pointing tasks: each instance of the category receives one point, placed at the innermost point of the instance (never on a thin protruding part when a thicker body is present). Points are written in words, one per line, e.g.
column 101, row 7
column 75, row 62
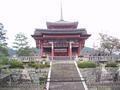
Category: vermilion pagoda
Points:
column 60, row 39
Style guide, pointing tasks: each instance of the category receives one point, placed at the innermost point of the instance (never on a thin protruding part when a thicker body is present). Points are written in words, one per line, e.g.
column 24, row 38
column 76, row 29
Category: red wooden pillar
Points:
column 41, row 47
column 52, row 49
column 70, row 50
column 79, row 48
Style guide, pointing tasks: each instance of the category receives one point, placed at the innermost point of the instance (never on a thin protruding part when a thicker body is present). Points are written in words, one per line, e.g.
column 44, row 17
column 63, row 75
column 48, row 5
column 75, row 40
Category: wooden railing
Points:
column 103, row 58
column 27, row 58
column 62, row 58
column 38, row 58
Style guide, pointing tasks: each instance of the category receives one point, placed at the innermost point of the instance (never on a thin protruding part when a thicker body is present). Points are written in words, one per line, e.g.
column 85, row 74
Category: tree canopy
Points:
column 21, row 45
column 20, row 41
column 3, row 44
column 109, row 43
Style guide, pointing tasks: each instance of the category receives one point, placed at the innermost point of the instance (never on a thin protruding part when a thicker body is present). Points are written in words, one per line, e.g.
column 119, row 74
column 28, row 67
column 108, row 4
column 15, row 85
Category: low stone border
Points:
column 83, row 82
column 49, row 74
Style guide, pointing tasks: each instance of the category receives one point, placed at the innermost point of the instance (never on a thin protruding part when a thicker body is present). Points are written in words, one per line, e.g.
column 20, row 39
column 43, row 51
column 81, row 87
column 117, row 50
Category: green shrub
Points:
column 16, row 64
column 3, row 60
column 1, row 66
column 44, row 65
column 111, row 64
column 32, row 64
column 38, row 65
column 86, row 64
column 42, row 80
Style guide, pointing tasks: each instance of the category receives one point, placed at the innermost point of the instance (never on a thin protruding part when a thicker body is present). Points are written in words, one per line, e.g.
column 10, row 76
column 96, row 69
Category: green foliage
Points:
column 20, row 41
column 3, row 60
column 109, row 43
column 32, row 64
column 21, row 45
column 44, row 65
column 86, row 64
column 24, row 51
column 111, row 64
column 3, row 44
column 2, row 35
column 42, row 80
column 3, row 50
column 38, row 65
column 16, row 64
column 1, row 66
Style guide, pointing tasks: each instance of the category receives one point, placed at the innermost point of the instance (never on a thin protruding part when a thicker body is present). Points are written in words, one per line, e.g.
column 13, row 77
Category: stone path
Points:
column 61, row 74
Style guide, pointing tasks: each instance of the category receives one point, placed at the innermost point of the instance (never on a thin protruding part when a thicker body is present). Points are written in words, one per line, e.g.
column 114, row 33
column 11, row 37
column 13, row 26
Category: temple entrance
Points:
column 60, row 54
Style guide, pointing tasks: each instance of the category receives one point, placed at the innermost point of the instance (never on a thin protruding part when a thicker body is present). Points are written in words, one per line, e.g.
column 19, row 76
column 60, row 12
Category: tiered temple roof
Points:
column 60, row 31
column 61, row 27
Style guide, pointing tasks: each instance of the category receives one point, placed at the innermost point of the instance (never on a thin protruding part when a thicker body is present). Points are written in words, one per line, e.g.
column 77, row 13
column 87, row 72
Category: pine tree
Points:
column 21, row 45
column 3, row 44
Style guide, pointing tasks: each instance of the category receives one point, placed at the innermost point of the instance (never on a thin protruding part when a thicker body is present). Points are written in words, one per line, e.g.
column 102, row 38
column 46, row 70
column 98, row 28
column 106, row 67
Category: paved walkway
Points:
column 62, row 73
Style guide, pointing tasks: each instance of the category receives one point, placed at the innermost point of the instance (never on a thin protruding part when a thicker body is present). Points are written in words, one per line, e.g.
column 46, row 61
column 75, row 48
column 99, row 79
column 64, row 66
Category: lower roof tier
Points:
column 47, row 31
column 60, row 34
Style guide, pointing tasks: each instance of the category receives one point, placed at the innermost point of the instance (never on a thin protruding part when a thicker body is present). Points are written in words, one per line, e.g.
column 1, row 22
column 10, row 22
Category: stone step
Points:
column 64, row 76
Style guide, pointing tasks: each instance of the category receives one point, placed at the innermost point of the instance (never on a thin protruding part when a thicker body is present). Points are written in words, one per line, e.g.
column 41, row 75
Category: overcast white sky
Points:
column 94, row 15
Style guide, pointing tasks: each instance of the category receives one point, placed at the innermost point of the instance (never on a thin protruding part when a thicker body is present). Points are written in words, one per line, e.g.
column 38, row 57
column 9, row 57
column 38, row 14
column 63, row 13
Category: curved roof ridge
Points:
column 62, row 25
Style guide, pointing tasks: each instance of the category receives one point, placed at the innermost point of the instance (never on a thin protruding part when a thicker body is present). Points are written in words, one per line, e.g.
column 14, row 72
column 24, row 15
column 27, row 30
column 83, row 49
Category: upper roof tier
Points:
column 62, row 25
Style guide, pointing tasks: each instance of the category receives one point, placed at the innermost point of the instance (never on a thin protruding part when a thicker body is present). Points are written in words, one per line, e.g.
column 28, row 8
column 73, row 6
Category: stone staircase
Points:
column 62, row 58
column 64, row 76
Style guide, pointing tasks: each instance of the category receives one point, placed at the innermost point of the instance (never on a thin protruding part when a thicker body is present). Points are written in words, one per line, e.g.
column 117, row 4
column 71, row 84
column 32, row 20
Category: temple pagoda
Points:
column 61, row 39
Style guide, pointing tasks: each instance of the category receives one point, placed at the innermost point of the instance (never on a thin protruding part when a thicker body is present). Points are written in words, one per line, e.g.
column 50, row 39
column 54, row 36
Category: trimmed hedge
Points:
column 86, row 64
column 112, row 64
column 16, row 64
column 38, row 65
